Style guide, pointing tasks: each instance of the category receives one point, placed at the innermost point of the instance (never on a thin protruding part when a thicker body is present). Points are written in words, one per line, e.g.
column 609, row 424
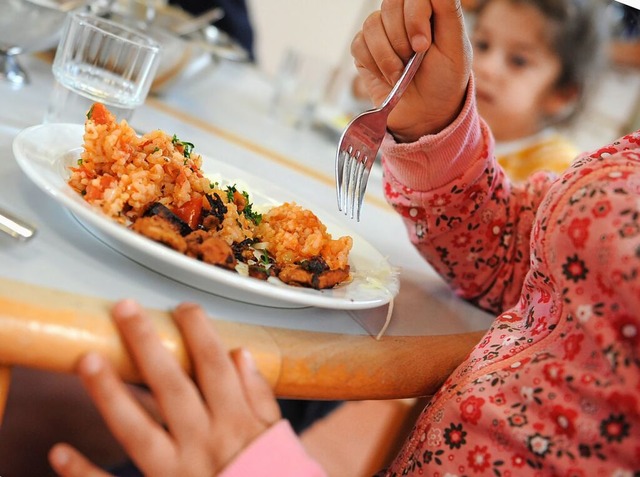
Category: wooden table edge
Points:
column 49, row 329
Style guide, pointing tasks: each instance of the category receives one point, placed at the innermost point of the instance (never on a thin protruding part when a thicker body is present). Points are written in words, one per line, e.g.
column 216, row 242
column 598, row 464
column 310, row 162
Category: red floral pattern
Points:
column 551, row 388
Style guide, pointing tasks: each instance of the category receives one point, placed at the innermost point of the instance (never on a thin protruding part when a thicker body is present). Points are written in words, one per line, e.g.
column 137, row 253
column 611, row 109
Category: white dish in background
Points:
column 45, row 152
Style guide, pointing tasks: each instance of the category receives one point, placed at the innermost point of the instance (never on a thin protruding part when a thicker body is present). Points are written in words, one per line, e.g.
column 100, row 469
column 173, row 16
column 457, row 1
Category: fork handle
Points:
column 401, row 85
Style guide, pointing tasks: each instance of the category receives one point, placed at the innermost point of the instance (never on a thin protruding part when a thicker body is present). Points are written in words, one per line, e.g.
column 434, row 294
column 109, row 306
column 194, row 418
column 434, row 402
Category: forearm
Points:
column 461, row 211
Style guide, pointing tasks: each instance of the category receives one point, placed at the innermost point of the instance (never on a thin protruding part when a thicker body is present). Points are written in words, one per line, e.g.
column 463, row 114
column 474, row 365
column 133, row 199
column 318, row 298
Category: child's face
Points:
column 515, row 69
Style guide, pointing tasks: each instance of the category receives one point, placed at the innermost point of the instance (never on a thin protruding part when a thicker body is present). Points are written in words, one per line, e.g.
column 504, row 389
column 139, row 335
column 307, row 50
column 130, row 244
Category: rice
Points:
column 124, row 174
column 294, row 234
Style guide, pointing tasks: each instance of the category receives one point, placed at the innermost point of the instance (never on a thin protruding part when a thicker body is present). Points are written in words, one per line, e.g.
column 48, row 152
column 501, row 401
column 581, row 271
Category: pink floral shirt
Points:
column 553, row 387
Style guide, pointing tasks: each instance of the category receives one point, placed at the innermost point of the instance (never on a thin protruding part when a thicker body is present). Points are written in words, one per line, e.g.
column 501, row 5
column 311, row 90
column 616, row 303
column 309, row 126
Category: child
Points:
column 534, row 61
column 550, row 390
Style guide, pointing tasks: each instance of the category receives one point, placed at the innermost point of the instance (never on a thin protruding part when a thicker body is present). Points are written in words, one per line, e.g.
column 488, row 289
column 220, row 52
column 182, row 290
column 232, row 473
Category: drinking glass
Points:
column 25, row 27
column 300, row 84
column 98, row 60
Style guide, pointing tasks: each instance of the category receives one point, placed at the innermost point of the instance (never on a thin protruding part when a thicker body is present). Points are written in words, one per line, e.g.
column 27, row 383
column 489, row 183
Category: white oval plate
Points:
column 45, row 152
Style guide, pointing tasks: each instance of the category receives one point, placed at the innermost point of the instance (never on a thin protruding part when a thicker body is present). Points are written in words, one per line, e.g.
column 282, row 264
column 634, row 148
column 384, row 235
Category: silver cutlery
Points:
column 361, row 141
column 15, row 227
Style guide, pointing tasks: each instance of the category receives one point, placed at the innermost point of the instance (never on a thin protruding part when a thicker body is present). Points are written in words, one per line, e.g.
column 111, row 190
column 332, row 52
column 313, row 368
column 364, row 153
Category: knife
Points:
column 17, row 228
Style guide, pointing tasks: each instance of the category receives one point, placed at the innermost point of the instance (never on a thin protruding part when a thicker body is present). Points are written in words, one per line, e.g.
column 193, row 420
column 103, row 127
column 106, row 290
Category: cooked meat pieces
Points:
column 161, row 230
column 211, row 222
column 163, row 211
column 297, row 275
column 206, row 246
column 210, row 249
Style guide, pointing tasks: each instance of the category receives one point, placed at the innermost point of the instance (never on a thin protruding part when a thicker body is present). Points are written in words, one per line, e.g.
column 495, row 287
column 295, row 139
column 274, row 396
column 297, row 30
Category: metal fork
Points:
column 360, row 142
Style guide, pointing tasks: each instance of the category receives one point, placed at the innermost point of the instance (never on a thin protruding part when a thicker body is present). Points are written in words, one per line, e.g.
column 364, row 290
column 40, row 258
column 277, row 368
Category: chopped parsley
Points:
column 231, row 190
column 265, row 260
column 250, row 214
column 90, row 112
column 248, row 211
column 80, row 161
column 187, row 147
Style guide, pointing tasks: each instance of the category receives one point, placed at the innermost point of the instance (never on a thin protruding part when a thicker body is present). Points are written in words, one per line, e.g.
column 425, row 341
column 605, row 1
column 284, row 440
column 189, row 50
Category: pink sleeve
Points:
column 277, row 452
column 461, row 212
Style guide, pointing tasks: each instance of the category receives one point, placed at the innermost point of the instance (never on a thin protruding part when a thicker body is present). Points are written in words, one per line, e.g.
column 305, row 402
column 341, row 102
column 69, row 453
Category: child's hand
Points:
column 387, row 41
column 207, row 423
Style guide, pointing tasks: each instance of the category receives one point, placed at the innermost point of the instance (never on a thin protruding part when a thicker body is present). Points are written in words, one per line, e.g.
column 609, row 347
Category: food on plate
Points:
column 155, row 185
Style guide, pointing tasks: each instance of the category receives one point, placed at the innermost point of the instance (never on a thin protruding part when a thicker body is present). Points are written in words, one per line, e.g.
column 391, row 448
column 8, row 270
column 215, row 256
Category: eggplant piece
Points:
column 163, row 211
column 218, row 207
column 242, row 250
column 315, row 265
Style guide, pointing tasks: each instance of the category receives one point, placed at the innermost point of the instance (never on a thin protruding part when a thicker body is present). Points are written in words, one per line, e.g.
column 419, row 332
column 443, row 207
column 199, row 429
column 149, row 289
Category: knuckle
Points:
column 391, row 5
column 372, row 21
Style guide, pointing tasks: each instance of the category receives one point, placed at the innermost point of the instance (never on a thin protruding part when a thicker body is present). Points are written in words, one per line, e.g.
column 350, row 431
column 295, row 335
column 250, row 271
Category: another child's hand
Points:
column 207, row 424
column 388, row 39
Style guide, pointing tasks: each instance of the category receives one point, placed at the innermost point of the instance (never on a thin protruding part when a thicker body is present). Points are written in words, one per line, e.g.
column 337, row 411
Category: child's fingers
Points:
column 393, row 21
column 362, row 57
column 382, row 51
column 417, row 18
column 68, row 462
column 215, row 373
column 142, row 437
column 173, row 389
column 233, row 421
column 256, row 389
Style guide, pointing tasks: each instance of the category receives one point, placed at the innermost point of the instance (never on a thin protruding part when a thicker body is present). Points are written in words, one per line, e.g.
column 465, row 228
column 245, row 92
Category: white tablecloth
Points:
column 224, row 112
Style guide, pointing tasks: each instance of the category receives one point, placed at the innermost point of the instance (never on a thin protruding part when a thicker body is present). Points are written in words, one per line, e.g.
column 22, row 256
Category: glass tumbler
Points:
column 98, row 60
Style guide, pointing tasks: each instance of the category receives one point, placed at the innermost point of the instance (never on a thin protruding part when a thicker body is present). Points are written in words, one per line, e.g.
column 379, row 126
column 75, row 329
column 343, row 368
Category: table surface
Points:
column 224, row 111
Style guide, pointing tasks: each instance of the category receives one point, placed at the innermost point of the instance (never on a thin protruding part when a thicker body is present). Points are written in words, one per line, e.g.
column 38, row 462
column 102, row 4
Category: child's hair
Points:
column 577, row 32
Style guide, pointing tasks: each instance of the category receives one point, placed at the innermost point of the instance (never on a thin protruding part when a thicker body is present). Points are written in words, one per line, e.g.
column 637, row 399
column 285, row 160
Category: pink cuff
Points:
column 277, row 452
column 435, row 160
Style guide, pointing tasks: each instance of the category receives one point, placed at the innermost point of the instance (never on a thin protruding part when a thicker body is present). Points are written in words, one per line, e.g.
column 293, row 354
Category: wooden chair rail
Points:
column 48, row 329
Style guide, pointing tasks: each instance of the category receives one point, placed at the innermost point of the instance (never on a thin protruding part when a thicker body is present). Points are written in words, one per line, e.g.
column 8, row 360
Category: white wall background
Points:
column 321, row 28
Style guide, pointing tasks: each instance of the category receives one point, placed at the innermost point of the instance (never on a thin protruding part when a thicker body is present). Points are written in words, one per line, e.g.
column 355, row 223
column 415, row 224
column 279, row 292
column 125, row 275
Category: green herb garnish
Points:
column 187, row 147
column 247, row 211
column 264, row 258
column 231, row 190
column 250, row 214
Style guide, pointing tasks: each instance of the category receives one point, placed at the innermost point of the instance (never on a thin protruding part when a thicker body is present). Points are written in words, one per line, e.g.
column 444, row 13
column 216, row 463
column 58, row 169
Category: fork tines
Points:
column 352, row 175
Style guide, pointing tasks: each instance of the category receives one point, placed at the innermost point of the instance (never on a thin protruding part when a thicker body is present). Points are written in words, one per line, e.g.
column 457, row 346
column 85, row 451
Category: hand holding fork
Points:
column 436, row 29
column 361, row 141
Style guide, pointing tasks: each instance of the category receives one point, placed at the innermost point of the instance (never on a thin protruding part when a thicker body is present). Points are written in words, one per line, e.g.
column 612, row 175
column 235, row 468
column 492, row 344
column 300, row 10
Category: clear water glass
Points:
column 98, row 60
column 300, row 85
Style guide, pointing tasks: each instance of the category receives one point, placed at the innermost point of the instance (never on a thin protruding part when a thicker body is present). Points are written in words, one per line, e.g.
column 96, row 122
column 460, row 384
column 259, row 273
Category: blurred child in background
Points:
column 534, row 62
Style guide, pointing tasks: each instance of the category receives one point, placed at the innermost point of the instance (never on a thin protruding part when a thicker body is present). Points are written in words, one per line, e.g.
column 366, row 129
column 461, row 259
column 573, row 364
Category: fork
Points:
column 360, row 142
